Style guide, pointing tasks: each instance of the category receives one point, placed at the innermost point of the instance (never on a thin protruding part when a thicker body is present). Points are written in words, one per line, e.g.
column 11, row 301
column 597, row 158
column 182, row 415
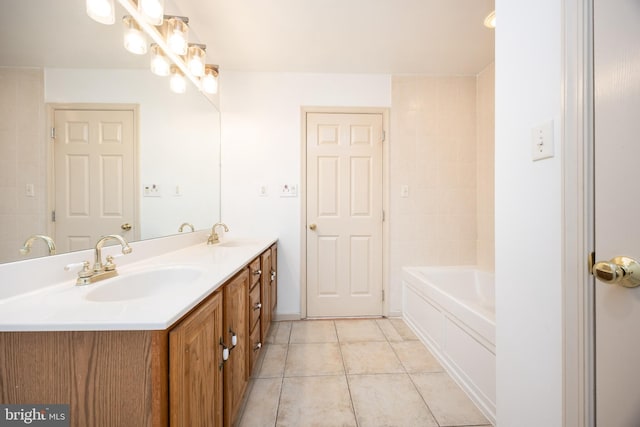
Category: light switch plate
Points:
column 288, row 190
column 151, row 190
column 542, row 141
column 404, row 191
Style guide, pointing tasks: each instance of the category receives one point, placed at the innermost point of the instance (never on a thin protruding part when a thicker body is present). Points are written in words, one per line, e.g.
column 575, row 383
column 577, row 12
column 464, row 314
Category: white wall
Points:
column 179, row 137
column 528, row 216
column 261, row 120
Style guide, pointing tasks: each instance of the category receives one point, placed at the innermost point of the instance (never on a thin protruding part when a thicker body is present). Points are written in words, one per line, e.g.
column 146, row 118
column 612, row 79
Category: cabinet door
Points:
column 274, row 279
column 195, row 357
column 236, row 370
column 265, row 280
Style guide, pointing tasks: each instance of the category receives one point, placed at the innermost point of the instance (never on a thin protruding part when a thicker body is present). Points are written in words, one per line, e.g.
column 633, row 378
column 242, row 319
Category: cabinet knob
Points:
column 257, row 272
column 273, row 275
column 258, row 306
column 257, row 347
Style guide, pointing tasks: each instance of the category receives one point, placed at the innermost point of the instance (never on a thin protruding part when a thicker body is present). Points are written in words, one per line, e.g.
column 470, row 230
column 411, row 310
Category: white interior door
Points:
column 94, row 168
column 344, row 214
column 617, row 207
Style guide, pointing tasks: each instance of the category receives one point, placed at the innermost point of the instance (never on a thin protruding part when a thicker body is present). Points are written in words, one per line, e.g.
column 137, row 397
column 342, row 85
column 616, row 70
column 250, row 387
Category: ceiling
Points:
column 345, row 36
column 441, row 37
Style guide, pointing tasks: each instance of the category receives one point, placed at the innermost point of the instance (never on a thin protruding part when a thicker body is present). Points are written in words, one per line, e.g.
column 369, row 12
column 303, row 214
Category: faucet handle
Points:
column 84, row 273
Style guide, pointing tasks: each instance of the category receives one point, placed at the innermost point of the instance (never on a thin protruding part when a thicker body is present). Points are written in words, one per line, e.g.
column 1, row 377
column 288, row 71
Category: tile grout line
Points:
column 346, row 377
column 286, row 357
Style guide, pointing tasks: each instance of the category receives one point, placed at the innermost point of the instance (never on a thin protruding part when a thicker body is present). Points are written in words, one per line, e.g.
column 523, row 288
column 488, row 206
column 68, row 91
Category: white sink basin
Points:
column 144, row 284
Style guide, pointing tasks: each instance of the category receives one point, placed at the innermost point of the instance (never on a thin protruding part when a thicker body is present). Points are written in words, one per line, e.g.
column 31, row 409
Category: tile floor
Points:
column 371, row 372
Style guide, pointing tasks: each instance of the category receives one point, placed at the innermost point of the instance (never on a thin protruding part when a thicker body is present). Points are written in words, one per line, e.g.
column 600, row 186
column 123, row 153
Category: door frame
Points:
column 578, row 214
column 303, row 197
column 51, row 109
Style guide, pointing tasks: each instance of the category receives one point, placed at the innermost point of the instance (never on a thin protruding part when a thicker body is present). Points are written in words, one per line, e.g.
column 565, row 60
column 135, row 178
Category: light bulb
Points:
column 196, row 60
column 177, row 36
column 152, row 10
column 102, row 11
column 210, row 79
column 177, row 83
column 160, row 64
column 134, row 39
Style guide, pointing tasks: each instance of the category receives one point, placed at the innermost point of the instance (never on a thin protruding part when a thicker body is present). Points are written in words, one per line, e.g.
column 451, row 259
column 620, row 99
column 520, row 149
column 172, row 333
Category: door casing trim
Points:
column 303, row 197
column 578, row 218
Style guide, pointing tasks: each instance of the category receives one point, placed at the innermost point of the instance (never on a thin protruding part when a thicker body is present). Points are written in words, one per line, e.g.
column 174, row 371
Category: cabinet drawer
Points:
column 255, row 346
column 254, row 307
column 254, row 272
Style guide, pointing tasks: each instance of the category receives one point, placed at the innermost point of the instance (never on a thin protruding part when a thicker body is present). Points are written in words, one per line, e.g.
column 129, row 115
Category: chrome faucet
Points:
column 101, row 271
column 213, row 237
column 26, row 247
column 186, row 224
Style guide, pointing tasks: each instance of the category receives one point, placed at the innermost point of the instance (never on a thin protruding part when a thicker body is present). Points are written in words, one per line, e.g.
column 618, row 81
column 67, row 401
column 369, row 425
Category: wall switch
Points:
column 30, row 190
column 177, row 191
column 289, row 190
column 151, row 190
column 404, row 191
column 542, row 141
column 263, row 190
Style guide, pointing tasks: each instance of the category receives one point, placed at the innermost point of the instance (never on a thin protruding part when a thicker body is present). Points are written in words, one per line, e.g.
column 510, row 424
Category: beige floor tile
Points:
column 273, row 362
column 388, row 400
column 370, row 358
column 310, row 331
column 448, row 403
column 402, row 328
column 313, row 359
column 415, row 357
column 315, row 402
column 389, row 331
column 271, row 335
column 283, row 332
column 261, row 408
column 359, row 330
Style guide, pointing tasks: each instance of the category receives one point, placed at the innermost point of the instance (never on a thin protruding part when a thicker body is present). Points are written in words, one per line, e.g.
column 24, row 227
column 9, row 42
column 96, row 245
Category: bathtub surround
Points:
column 442, row 148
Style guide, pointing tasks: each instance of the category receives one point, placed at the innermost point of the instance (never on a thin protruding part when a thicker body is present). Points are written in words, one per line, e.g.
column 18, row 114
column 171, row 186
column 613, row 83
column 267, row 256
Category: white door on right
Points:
column 617, row 209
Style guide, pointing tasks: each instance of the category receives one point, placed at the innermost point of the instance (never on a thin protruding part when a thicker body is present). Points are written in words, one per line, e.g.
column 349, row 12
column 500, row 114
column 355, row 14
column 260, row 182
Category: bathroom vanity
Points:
column 179, row 356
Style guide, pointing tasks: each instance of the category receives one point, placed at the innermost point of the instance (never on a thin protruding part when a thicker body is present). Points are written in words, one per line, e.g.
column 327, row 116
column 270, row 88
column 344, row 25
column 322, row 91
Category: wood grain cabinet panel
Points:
column 195, row 368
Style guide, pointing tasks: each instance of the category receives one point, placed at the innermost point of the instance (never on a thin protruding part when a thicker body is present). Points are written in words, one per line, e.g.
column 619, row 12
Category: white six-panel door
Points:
column 94, row 168
column 344, row 214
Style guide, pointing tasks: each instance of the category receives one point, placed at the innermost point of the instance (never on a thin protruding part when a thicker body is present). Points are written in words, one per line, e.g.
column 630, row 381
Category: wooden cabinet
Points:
column 265, row 280
column 150, row 378
column 236, row 337
column 274, row 279
column 195, row 366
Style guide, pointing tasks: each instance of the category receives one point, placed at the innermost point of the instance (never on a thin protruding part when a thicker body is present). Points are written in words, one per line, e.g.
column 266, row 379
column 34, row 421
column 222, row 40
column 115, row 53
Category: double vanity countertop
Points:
column 148, row 294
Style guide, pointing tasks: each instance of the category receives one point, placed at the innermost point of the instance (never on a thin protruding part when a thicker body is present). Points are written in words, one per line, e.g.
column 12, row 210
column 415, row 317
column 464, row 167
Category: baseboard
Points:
column 282, row 317
column 395, row 314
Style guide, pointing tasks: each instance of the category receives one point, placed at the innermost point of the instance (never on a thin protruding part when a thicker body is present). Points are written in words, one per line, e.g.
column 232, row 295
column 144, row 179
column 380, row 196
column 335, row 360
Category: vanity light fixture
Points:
column 196, row 59
column 490, row 20
column 177, row 83
column 210, row 79
column 134, row 39
column 160, row 63
column 102, row 11
column 152, row 11
column 176, row 32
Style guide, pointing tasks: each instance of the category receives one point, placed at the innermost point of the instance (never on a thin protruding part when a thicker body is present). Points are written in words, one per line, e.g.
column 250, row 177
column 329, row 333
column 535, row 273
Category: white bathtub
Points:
column 452, row 310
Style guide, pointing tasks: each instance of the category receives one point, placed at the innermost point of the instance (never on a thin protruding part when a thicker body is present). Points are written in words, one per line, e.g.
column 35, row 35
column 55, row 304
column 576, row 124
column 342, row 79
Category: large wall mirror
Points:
column 55, row 59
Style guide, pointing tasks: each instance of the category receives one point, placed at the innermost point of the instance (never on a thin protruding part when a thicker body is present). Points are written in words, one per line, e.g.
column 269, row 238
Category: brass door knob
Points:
column 621, row 270
column 126, row 226
column 312, row 227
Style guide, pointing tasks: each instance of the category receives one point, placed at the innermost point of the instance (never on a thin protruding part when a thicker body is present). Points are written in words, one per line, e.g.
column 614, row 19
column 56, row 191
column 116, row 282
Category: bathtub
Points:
column 452, row 311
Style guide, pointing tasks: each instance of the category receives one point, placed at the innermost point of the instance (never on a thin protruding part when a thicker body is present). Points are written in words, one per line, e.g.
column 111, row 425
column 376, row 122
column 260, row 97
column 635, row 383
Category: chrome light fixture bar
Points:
column 157, row 37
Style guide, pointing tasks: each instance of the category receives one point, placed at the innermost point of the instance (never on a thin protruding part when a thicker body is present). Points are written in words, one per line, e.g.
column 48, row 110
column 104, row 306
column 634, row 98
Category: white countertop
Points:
column 63, row 306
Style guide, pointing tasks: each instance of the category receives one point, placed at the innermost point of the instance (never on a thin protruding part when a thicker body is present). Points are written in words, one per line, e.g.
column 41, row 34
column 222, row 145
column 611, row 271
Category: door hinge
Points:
column 591, row 260
column 384, row 136
column 383, row 216
column 53, row 216
column 53, row 133
column 383, row 295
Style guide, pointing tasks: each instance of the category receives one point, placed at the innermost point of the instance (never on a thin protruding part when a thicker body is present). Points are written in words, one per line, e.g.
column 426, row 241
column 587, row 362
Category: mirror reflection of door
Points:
column 93, row 168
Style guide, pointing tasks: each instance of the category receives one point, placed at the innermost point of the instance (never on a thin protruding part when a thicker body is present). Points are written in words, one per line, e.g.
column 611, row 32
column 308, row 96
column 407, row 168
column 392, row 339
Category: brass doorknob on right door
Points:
column 312, row 227
column 621, row 270
column 126, row 226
